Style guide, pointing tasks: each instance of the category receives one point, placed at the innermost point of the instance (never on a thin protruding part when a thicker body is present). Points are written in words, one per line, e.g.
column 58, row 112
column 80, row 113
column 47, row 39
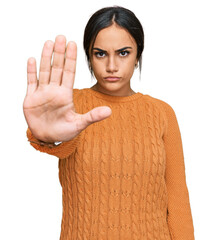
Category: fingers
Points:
column 63, row 67
column 45, row 64
column 70, row 65
column 58, row 60
column 31, row 76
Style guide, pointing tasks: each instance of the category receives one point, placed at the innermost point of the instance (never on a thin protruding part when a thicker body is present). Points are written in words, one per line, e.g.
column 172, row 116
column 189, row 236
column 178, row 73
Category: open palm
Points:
column 48, row 106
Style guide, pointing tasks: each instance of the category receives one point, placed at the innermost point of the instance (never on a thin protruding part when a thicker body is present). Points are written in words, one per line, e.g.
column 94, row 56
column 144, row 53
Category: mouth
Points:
column 112, row 78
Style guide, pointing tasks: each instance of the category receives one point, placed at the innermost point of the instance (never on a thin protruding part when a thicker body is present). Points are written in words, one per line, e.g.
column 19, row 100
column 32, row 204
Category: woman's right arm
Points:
column 61, row 151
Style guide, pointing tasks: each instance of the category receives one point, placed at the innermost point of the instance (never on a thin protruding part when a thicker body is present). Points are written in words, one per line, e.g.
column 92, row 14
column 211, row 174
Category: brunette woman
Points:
column 121, row 162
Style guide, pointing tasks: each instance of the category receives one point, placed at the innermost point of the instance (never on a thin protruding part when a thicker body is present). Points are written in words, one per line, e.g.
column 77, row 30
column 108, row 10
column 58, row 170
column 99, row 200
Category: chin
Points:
column 113, row 87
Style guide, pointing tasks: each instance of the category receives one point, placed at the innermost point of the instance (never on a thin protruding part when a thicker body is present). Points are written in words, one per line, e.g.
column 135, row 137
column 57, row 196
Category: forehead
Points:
column 114, row 37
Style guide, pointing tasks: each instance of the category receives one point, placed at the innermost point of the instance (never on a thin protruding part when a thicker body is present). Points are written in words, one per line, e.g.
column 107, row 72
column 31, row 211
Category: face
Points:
column 113, row 60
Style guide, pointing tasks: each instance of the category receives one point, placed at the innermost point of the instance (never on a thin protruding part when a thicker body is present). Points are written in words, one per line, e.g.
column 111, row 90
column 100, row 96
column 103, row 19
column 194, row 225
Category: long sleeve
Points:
column 61, row 151
column 180, row 220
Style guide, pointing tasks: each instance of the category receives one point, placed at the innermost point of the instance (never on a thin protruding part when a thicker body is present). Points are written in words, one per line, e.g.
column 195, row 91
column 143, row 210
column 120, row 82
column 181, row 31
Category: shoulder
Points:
column 160, row 104
column 79, row 94
column 166, row 110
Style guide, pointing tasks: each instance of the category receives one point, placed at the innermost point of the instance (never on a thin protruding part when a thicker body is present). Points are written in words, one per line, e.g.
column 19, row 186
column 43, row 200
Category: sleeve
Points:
column 61, row 151
column 179, row 216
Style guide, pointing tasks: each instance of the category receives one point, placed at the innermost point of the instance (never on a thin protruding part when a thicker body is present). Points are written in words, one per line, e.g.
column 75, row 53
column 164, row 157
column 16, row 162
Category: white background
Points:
column 179, row 67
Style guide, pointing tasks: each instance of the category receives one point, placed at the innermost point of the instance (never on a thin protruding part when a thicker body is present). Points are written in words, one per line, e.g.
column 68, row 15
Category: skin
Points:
column 48, row 105
column 114, row 53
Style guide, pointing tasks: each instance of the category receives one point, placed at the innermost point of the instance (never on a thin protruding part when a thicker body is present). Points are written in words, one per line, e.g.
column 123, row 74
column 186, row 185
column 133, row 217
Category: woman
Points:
column 121, row 163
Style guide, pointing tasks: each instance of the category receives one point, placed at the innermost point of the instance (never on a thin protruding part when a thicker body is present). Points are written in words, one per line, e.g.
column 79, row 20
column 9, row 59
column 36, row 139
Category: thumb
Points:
column 97, row 114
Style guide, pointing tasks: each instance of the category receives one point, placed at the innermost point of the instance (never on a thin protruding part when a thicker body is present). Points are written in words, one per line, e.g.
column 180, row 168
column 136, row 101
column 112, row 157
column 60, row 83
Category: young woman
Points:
column 121, row 163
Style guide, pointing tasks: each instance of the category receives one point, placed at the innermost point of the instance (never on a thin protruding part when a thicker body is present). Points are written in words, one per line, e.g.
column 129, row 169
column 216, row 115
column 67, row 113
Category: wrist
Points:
column 46, row 144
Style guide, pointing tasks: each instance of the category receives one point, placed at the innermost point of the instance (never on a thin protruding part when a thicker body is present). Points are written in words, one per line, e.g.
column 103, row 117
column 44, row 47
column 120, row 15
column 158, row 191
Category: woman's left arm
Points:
column 180, row 220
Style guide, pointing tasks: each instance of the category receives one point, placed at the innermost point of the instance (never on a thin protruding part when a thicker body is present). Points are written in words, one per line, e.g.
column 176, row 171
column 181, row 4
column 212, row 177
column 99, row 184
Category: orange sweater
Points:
column 124, row 177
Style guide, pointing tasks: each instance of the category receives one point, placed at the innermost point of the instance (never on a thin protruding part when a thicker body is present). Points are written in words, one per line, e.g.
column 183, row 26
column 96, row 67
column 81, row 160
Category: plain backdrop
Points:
column 179, row 67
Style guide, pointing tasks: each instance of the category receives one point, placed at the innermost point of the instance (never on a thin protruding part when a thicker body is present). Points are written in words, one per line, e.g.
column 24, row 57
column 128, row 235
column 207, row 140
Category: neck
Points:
column 122, row 94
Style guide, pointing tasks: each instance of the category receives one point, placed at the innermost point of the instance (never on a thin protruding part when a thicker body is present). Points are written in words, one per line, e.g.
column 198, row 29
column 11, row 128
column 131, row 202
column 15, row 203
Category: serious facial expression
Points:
column 113, row 59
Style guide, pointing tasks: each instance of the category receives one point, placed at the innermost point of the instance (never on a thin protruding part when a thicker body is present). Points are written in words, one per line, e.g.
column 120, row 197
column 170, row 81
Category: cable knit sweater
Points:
column 124, row 177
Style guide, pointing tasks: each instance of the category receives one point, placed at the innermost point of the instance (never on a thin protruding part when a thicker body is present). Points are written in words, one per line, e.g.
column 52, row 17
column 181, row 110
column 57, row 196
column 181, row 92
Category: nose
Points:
column 112, row 64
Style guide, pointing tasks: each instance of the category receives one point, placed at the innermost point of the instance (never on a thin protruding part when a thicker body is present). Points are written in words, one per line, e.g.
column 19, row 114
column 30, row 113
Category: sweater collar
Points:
column 113, row 98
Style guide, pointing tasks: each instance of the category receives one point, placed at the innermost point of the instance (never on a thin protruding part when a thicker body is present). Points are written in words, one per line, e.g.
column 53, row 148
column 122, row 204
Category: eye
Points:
column 99, row 54
column 124, row 53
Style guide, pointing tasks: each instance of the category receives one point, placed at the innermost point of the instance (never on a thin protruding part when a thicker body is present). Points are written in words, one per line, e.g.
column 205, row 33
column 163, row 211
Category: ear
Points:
column 89, row 64
column 136, row 63
column 90, row 67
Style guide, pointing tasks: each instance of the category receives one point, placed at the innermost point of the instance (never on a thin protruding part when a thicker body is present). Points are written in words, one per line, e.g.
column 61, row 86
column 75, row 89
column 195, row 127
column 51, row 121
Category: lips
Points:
column 112, row 78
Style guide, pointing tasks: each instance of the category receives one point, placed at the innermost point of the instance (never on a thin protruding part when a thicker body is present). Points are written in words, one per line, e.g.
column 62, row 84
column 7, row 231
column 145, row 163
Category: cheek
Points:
column 129, row 66
column 97, row 67
column 96, row 63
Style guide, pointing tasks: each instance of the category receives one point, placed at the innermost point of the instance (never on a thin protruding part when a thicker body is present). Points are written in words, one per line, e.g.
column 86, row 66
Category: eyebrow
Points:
column 119, row 50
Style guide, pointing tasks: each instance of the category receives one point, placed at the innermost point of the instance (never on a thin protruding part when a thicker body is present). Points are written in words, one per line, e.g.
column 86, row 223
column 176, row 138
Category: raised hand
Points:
column 48, row 106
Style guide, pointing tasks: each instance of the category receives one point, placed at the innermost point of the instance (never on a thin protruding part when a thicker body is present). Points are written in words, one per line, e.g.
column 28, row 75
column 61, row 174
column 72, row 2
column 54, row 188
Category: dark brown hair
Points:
column 104, row 18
